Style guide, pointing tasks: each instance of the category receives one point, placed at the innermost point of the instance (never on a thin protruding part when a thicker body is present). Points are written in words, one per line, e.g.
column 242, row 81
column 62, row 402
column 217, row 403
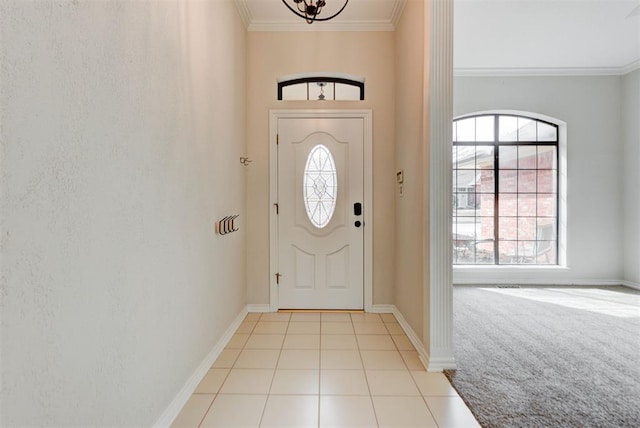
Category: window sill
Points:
column 511, row 275
column 502, row 268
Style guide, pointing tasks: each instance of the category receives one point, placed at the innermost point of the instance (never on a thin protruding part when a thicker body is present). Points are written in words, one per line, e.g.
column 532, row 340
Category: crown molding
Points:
column 243, row 11
column 396, row 13
column 632, row 66
column 379, row 25
column 545, row 71
column 324, row 26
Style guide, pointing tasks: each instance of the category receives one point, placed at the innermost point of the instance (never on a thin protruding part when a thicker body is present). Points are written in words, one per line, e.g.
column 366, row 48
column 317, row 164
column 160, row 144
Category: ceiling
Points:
column 495, row 36
column 546, row 36
column 359, row 15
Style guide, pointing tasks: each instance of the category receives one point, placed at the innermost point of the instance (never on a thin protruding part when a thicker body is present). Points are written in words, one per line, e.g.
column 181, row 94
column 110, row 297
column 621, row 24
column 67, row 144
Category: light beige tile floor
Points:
column 322, row 370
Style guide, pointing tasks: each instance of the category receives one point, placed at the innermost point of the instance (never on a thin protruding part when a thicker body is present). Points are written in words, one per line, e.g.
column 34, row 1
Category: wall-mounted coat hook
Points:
column 227, row 225
column 245, row 161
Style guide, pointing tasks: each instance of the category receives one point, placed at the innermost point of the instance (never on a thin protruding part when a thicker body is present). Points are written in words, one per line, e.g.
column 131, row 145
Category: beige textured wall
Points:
column 409, row 136
column 122, row 125
column 274, row 54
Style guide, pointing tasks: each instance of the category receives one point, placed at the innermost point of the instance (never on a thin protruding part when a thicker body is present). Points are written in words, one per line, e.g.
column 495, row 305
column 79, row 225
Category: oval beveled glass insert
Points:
column 320, row 184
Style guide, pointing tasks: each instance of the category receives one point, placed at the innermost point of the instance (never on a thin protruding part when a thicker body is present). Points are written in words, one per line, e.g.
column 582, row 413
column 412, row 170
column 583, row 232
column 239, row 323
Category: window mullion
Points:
column 496, row 188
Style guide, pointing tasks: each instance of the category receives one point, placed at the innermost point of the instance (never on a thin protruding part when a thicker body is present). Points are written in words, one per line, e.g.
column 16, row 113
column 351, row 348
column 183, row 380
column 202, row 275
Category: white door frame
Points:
column 366, row 115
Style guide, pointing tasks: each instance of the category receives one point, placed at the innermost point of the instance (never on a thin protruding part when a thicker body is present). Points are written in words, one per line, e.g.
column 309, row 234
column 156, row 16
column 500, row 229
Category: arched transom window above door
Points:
column 320, row 87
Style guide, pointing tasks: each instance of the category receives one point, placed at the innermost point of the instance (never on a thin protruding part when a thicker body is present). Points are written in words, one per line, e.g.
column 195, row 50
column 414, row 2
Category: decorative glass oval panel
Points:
column 320, row 183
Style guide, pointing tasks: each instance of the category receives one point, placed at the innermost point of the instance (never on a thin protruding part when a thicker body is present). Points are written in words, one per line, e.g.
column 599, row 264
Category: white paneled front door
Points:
column 320, row 218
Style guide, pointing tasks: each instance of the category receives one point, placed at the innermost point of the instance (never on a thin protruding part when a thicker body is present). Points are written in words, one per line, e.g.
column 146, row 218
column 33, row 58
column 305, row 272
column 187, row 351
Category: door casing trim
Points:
column 367, row 117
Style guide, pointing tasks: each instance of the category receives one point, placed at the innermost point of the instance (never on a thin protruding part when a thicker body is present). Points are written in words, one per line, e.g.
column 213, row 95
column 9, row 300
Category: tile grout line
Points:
column 424, row 400
column 273, row 376
column 433, row 416
column 287, row 333
column 217, row 392
column 227, row 375
column 366, row 378
column 208, row 409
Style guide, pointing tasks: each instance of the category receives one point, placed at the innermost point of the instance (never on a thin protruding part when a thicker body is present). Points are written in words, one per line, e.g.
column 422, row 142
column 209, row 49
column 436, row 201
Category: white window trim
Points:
column 475, row 274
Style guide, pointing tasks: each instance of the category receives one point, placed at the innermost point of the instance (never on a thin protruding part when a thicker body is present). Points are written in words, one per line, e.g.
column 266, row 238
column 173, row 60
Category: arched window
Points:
column 321, row 86
column 505, row 190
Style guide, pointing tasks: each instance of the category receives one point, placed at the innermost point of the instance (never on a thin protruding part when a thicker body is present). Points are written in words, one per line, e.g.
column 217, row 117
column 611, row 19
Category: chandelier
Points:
column 310, row 9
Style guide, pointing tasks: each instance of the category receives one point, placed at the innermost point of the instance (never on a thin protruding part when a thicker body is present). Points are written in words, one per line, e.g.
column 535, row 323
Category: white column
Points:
column 439, row 302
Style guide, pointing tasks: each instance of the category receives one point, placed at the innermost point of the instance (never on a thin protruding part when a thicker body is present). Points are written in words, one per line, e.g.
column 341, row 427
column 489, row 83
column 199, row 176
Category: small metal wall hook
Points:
column 227, row 225
column 245, row 161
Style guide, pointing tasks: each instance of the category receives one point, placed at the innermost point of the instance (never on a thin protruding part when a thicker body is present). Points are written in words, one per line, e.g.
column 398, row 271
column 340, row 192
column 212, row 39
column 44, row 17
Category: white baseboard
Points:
column 413, row 337
column 440, row 364
column 431, row 364
column 383, row 309
column 631, row 284
column 176, row 405
column 259, row 308
column 546, row 282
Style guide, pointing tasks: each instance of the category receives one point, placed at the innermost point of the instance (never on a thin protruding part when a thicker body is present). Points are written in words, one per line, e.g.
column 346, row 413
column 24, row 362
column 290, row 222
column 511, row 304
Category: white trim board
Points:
column 423, row 355
column 396, row 14
column 173, row 410
column 545, row 71
column 430, row 364
column 264, row 26
column 632, row 66
column 383, row 309
column 289, row 24
column 533, row 281
column 178, row 402
column 631, row 284
column 367, row 117
column 244, row 12
column 258, row 308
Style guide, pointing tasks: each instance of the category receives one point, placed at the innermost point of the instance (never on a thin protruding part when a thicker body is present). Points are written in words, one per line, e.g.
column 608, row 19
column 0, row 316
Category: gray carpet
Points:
column 548, row 357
